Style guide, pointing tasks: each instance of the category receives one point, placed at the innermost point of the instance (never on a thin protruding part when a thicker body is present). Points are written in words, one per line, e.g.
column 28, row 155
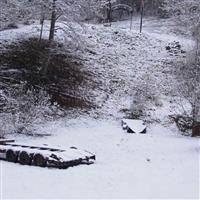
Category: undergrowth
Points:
column 39, row 81
column 46, row 65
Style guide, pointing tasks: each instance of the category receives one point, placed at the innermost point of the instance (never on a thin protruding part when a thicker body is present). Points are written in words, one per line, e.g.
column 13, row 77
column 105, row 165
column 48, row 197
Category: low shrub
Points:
column 22, row 110
column 145, row 96
column 186, row 125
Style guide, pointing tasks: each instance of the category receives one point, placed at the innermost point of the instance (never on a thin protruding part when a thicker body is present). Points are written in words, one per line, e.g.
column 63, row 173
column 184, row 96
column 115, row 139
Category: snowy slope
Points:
column 125, row 60
column 118, row 59
column 160, row 164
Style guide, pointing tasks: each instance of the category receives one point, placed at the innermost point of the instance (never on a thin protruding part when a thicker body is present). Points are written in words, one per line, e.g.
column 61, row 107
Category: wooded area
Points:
column 54, row 70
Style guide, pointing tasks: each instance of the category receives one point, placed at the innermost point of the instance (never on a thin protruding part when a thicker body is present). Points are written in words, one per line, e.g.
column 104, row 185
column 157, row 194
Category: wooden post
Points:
column 42, row 25
column 142, row 13
column 109, row 12
column 131, row 25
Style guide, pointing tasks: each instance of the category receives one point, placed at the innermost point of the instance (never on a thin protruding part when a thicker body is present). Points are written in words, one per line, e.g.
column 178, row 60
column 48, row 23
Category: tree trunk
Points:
column 196, row 130
column 109, row 12
column 53, row 21
column 41, row 30
column 142, row 13
column 196, row 125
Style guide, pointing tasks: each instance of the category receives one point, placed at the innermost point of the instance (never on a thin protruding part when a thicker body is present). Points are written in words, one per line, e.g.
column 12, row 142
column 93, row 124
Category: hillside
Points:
column 119, row 60
column 123, row 66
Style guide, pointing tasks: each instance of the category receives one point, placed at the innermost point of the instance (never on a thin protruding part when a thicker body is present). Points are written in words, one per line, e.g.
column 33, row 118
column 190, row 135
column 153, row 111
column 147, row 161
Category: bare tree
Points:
column 53, row 21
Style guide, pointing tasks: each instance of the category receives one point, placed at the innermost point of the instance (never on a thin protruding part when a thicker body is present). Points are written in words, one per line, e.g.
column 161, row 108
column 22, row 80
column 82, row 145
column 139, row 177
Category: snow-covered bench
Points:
column 134, row 126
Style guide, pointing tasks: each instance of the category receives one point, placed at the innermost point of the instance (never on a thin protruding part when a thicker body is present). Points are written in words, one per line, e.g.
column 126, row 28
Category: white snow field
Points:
column 159, row 164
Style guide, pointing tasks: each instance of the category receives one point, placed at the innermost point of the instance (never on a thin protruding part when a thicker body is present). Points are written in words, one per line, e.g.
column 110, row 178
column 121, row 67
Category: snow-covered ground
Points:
column 160, row 164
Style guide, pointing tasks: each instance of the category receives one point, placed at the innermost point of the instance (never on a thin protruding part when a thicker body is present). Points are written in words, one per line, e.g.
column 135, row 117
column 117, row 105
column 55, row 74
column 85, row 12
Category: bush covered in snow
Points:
column 185, row 13
column 145, row 95
column 23, row 109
